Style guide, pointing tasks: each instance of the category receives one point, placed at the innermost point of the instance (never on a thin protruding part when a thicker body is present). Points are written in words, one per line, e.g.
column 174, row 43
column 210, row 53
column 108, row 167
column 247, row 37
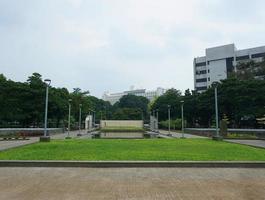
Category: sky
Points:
column 110, row 45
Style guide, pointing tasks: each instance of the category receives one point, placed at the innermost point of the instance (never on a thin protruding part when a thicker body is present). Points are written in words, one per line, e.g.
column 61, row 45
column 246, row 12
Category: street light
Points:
column 182, row 118
column 105, row 112
column 157, row 119
column 69, row 118
column 217, row 136
column 169, row 107
column 46, row 138
column 94, row 118
column 80, row 118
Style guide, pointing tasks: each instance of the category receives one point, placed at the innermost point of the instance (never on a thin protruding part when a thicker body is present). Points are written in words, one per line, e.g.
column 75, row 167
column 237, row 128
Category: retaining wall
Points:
column 121, row 123
column 209, row 132
column 28, row 132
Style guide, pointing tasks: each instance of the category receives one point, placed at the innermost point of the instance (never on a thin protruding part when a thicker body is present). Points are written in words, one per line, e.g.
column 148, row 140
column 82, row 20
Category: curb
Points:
column 133, row 164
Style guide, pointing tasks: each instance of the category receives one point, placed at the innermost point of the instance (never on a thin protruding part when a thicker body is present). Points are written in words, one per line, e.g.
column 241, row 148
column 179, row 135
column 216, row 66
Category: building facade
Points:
column 150, row 95
column 219, row 61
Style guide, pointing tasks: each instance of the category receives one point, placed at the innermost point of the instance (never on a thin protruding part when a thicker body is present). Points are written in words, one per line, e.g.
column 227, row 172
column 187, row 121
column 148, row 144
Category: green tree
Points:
column 134, row 104
column 172, row 97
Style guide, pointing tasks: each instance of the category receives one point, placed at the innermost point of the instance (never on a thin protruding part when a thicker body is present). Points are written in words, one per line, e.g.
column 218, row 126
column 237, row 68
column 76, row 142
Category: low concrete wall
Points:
column 28, row 132
column 133, row 164
column 209, row 132
column 121, row 123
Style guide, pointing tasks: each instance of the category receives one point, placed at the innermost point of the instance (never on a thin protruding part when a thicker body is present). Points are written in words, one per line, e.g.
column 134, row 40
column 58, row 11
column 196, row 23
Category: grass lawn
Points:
column 142, row 149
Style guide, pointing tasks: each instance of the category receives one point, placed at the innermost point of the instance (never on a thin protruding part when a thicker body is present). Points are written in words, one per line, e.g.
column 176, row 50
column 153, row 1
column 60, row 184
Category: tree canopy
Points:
column 22, row 104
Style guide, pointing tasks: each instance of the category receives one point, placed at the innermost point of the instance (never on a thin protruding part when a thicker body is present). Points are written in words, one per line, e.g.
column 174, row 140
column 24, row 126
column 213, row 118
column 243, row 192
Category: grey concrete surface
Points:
column 254, row 143
column 8, row 144
column 131, row 183
column 179, row 134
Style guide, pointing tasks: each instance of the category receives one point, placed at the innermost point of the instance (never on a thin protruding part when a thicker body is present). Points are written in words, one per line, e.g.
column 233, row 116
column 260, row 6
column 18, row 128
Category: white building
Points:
column 150, row 95
column 219, row 61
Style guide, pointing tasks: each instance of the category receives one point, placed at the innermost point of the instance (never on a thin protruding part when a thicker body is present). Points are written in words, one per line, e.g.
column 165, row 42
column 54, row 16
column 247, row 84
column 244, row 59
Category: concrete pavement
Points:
column 254, row 143
column 8, row 144
column 131, row 183
column 179, row 134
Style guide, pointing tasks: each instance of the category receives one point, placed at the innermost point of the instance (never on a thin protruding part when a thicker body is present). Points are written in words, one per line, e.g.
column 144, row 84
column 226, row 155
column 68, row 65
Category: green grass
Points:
column 142, row 149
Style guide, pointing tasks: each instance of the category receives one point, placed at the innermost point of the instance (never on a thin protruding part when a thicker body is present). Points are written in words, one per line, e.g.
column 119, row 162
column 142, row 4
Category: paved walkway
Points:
column 254, row 143
column 179, row 134
column 131, row 183
column 8, row 144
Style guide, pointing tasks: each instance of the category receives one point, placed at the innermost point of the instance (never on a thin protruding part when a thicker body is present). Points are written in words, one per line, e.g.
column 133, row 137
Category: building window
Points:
column 200, row 80
column 258, row 55
column 208, row 78
column 229, row 64
column 201, row 88
column 208, row 71
column 201, row 72
column 242, row 58
column 200, row 64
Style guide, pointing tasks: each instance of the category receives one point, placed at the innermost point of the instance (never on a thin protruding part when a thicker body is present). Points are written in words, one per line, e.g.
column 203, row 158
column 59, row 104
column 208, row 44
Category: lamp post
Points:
column 105, row 112
column 169, row 107
column 46, row 138
column 154, row 125
column 80, row 118
column 217, row 136
column 69, row 118
column 94, row 118
column 182, row 118
column 157, row 120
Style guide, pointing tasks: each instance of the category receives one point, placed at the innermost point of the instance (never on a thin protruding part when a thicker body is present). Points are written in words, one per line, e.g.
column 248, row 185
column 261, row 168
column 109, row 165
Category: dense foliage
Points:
column 22, row 104
column 241, row 102
column 131, row 107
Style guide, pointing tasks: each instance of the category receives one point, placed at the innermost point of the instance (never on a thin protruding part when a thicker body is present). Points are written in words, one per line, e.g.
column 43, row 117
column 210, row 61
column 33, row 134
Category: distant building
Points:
column 219, row 62
column 150, row 95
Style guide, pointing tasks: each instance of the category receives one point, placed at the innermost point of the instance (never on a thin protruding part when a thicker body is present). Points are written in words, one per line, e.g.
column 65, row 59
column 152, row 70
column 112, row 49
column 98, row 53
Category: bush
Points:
column 175, row 124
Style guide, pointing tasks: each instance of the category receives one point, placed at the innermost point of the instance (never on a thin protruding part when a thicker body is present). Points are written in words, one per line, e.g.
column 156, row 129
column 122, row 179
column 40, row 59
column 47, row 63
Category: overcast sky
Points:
column 109, row 45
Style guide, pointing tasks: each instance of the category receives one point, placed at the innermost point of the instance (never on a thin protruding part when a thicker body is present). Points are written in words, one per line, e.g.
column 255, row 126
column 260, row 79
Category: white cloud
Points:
column 147, row 43
column 75, row 3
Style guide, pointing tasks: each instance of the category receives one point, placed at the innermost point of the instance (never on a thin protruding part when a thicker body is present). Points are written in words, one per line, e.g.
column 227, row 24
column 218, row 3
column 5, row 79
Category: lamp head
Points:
column 69, row 100
column 215, row 84
column 47, row 81
column 182, row 102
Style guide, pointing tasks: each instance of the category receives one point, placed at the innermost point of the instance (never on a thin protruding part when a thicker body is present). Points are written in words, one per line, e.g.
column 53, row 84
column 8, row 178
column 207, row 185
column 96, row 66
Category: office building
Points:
column 219, row 61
